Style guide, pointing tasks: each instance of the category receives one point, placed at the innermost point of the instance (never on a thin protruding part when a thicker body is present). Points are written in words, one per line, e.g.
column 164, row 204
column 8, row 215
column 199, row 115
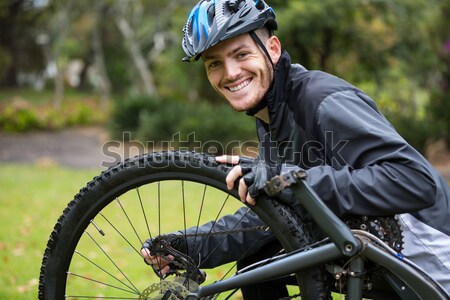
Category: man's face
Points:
column 239, row 71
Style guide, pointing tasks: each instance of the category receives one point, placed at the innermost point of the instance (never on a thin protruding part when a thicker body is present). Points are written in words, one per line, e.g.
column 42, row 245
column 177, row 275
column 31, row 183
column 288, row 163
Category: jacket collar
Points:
column 280, row 81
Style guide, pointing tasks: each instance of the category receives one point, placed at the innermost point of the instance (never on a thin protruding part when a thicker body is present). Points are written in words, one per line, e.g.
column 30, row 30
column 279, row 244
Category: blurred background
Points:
column 77, row 75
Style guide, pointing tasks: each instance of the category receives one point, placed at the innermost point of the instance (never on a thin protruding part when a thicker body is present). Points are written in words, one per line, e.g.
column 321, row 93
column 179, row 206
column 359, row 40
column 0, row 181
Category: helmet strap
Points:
column 263, row 102
column 262, row 46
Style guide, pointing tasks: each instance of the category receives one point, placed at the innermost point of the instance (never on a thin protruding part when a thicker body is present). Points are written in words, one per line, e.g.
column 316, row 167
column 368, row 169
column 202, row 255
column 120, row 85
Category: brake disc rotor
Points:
column 165, row 289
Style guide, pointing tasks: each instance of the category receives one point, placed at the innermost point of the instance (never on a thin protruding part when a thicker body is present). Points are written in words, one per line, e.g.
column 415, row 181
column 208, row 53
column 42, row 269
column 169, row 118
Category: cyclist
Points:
column 354, row 159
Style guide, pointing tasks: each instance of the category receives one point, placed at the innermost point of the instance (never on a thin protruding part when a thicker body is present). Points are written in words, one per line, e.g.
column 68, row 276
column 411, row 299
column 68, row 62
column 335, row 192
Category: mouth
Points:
column 240, row 86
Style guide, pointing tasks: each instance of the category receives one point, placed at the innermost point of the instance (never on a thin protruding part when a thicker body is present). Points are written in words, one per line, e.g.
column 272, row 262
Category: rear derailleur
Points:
column 187, row 275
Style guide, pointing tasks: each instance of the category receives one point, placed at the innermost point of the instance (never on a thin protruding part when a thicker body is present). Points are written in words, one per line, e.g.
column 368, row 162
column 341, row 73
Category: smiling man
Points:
column 353, row 157
column 237, row 70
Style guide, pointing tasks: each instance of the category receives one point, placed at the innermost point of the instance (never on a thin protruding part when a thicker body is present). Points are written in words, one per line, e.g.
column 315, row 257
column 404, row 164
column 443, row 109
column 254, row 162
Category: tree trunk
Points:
column 136, row 55
column 99, row 60
column 62, row 20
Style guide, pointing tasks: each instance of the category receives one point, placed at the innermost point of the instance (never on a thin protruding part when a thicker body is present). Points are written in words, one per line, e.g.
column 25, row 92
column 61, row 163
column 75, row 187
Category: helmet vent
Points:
column 220, row 14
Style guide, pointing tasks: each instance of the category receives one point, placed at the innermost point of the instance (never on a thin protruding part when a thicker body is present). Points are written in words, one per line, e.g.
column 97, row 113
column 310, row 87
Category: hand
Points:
column 253, row 176
column 159, row 264
column 152, row 247
column 234, row 175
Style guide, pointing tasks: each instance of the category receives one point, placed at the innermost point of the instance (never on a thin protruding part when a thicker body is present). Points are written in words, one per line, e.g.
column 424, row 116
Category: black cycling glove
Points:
column 257, row 174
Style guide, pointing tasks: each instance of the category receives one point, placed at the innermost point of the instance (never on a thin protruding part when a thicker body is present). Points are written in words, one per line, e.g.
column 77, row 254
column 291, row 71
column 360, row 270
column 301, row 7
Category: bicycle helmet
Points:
column 213, row 21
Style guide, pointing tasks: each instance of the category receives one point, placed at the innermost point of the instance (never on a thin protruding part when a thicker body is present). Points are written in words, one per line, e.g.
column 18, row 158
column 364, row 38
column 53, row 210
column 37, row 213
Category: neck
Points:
column 263, row 115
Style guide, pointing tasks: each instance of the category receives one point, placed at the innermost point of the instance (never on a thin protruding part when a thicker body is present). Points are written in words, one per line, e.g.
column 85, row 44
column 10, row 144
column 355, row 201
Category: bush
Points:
column 415, row 131
column 19, row 115
column 172, row 123
column 127, row 113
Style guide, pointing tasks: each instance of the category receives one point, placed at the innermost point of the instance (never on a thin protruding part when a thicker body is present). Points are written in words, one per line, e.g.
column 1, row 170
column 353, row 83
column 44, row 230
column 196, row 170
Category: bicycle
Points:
column 93, row 250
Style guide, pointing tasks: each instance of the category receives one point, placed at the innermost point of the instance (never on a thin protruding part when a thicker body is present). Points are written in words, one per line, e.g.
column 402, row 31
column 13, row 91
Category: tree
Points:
column 440, row 85
column 19, row 50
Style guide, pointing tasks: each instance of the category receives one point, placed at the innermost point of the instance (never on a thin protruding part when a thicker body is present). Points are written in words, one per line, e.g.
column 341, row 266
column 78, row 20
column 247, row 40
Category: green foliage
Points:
column 360, row 41
column 182, row 124
column 19, row 48
column 440, row 112
column 20, row 115
column 414, row 130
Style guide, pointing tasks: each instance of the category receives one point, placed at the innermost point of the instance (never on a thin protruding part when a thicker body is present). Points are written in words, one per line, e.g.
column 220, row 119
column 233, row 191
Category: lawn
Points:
column 32, row 198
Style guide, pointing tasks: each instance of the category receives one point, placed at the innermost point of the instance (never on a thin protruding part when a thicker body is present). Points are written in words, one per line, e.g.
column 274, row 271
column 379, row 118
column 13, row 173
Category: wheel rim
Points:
column 107, row 263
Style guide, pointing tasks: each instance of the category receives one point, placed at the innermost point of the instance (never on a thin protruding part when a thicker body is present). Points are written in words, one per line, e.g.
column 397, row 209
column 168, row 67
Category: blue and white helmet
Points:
column 213, row 21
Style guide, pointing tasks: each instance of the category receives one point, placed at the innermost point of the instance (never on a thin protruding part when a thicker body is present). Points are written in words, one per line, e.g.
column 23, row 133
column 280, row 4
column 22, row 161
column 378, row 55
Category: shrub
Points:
column 414, row 130
column 127, row 114
column 19, row 115
column 181, row 124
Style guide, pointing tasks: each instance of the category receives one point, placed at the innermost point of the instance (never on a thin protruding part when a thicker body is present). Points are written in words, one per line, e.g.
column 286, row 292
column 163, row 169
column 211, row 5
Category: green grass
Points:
column 31, row 199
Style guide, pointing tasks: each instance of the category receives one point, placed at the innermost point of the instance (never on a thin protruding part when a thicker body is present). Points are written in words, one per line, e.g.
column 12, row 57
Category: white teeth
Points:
column 239, row 87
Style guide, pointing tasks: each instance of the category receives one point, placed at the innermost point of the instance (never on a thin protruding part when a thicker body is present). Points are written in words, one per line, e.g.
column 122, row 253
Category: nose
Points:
column 232, row 69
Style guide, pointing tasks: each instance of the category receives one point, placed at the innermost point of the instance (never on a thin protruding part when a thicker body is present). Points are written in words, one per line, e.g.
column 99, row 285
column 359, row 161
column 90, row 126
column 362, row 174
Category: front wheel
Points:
column 94, row 249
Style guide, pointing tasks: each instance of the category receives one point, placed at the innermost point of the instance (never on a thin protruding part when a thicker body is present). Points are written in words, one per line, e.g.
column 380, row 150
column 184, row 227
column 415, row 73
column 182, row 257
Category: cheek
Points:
column 213, row 78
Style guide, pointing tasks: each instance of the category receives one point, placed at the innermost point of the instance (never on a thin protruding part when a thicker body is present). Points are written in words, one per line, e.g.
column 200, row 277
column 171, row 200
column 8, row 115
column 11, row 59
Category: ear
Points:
column 273, row 45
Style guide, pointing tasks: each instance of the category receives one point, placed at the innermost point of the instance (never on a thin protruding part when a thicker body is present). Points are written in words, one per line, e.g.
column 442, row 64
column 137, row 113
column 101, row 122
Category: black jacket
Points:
column 355, row 160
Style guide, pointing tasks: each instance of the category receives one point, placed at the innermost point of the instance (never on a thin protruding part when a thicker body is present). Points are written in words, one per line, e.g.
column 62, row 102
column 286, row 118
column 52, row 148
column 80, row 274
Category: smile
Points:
column 240, row 86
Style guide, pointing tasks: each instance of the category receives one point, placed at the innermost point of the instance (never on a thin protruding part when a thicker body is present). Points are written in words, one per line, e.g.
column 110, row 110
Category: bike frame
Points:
column 356, row 248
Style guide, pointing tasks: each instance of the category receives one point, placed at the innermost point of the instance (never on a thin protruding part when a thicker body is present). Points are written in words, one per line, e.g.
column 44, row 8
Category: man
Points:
column 354, row 160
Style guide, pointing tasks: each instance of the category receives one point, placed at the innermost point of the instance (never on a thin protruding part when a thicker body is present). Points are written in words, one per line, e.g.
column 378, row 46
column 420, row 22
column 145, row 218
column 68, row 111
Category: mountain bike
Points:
column 94, row 248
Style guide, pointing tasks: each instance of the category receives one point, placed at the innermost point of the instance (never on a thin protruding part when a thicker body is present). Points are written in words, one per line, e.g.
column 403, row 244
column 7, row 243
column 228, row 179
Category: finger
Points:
column 164, row 270
column 145, row 253
column 250, row 200
column 228, row 159
column 232, row 176
column 162, row 261
column 242, row 190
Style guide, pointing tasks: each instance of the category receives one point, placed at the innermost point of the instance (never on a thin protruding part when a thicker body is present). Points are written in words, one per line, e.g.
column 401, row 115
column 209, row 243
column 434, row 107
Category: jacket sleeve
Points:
column 367, row 169
column 216, row 250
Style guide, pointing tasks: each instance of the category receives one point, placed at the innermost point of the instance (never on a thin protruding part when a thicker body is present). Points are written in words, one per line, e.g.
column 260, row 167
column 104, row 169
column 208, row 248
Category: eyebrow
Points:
column 212, row 56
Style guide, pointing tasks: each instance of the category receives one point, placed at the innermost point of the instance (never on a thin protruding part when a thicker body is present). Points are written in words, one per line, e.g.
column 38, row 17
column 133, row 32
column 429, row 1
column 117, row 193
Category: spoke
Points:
column 215, row 221
column 105, row 271
column 184, row 216
column 159, row 220
column 129, row 221
column 229, row 270
column 143, row 213
column 232, row 293
column 201, row 209
column 184, row 219
column 112, row 261
column 117, row 230
column 226, row 236
column 159, row 208
column 102, row 283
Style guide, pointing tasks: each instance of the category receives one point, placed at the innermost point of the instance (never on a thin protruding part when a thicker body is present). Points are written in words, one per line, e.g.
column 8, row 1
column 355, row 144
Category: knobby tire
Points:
column 153, row 168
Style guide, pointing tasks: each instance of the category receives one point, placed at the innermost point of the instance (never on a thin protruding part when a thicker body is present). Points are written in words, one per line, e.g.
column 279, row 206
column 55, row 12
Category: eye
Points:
column 213, row 65
column 243, row 54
